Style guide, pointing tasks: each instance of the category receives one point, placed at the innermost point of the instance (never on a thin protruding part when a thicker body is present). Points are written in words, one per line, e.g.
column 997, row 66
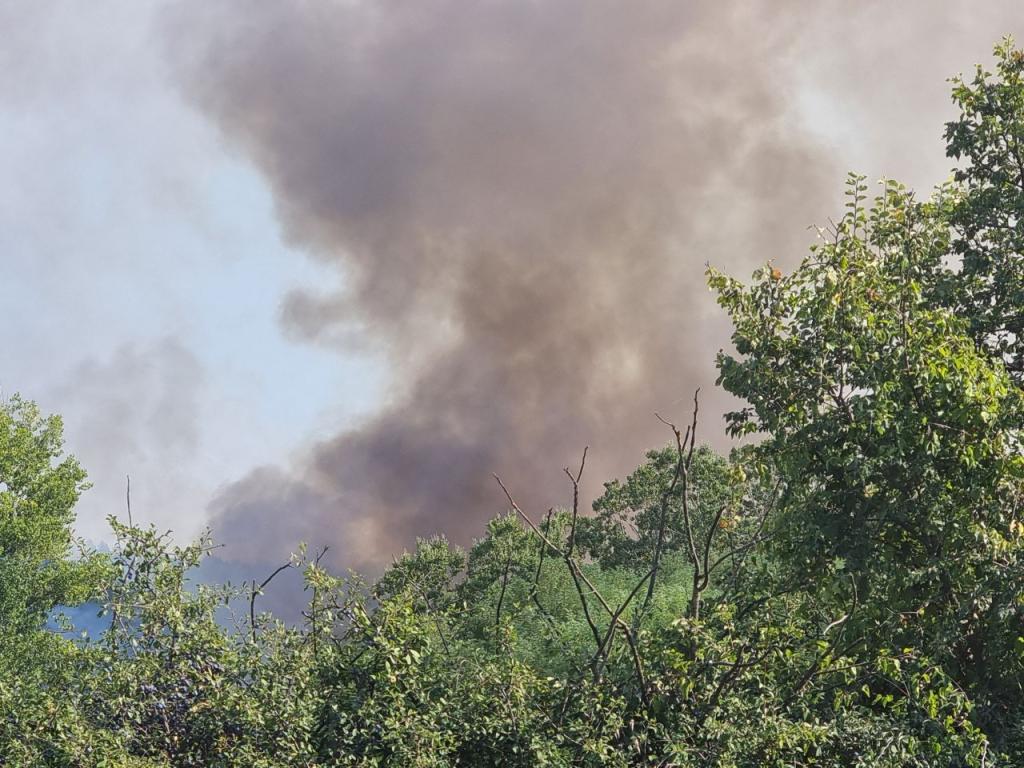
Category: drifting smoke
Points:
column 521, row 197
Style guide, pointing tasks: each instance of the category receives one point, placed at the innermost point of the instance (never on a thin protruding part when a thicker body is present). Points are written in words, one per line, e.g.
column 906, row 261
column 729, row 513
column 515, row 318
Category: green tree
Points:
column 897, row 440
column 40, row 571
column 988, row 139
column 39, row 488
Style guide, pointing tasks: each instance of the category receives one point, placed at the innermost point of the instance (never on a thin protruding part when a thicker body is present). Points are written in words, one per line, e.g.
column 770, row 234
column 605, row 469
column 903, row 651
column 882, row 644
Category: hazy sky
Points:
column 142, row 272
column 314, row 270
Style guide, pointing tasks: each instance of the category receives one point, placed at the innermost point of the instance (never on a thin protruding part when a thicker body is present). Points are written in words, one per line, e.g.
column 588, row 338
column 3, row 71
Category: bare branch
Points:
column 259, row 590
column 575, row 479
column 684, row 456
column 706, row 576
column 501, row 597
column 535, row 593
column 579, row 579
column 604, row 648
column 128, row 498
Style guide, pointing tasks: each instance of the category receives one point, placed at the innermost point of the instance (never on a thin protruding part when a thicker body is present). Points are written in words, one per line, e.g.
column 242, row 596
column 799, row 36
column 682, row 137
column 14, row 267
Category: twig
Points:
column 535, row 592
column 604, row 649
column 501, row 597
column 128, row 499
column 575, row 479
column 259, row 590
column 684, row 457
column 313, row 606
column 579, row 576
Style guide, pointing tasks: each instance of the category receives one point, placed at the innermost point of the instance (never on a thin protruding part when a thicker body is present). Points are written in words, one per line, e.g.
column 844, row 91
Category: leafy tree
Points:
column 897, row 440
column 988, row 138
column 38, row 491
column 429, row 573
column 39, row 572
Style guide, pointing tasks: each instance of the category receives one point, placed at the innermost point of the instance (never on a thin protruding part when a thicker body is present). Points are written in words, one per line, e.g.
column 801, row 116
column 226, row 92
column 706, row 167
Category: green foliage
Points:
column 429, row 574
column 175, row 685
column 988, row 137
column 895, row 435
column 625, row 529
column 38, row 491
column 39, row 571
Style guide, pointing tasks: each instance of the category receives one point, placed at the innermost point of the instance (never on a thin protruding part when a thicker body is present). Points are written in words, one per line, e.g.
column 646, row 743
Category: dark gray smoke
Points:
column 521, row 196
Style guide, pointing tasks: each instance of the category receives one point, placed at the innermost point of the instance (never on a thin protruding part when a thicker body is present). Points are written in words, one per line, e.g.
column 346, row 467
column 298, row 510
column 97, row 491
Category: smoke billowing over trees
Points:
column 844, row 588
column 520, row 198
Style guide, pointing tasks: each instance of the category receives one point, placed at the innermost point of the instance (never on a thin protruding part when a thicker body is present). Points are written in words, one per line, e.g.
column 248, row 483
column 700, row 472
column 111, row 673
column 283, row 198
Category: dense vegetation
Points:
column 846, row 589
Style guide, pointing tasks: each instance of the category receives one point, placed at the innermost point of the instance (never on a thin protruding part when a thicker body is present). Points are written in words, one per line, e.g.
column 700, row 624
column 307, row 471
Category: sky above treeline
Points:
column 313, row 271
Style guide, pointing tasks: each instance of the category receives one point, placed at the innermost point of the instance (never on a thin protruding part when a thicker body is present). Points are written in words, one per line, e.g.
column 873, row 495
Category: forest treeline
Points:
column 845, row 589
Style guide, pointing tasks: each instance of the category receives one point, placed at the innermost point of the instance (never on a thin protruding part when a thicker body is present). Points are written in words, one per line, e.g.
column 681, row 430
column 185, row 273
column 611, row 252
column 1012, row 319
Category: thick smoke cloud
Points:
column 521, row 197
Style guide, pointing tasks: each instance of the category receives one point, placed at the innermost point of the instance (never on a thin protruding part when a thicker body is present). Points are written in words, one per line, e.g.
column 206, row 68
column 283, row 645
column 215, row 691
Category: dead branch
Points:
column 575, row 479
column 684, row 457
column 579, row 579
column 501, row 597
column 258, row 591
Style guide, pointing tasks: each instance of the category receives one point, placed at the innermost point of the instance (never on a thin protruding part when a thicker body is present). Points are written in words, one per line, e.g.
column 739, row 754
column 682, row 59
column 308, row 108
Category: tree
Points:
column 897, row 439
column 988, row 216
column 38, row 491
column 39, row 572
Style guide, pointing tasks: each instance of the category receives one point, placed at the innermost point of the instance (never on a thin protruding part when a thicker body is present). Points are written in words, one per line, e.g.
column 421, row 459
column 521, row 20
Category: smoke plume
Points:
column 520, row 197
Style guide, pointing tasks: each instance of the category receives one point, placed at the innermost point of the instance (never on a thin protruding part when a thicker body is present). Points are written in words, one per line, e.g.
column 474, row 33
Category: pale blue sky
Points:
column 141, row 271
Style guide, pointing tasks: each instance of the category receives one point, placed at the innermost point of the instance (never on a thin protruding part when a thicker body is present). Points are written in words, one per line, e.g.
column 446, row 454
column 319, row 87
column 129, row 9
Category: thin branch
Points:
column 579, row 576
column 605, row 648
column 684, row 457
column 706, row 575
column 561, row 553
column 576, row 574
column 540, row 559
column 501, row 597
column 744, row 549
column 730, row 677
column 813, row 669
column 570, row 563
column 259, row 590
column 535, row 592
column 128, row 499
column 575, row 479
column 313, row 606
column 693, row 425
